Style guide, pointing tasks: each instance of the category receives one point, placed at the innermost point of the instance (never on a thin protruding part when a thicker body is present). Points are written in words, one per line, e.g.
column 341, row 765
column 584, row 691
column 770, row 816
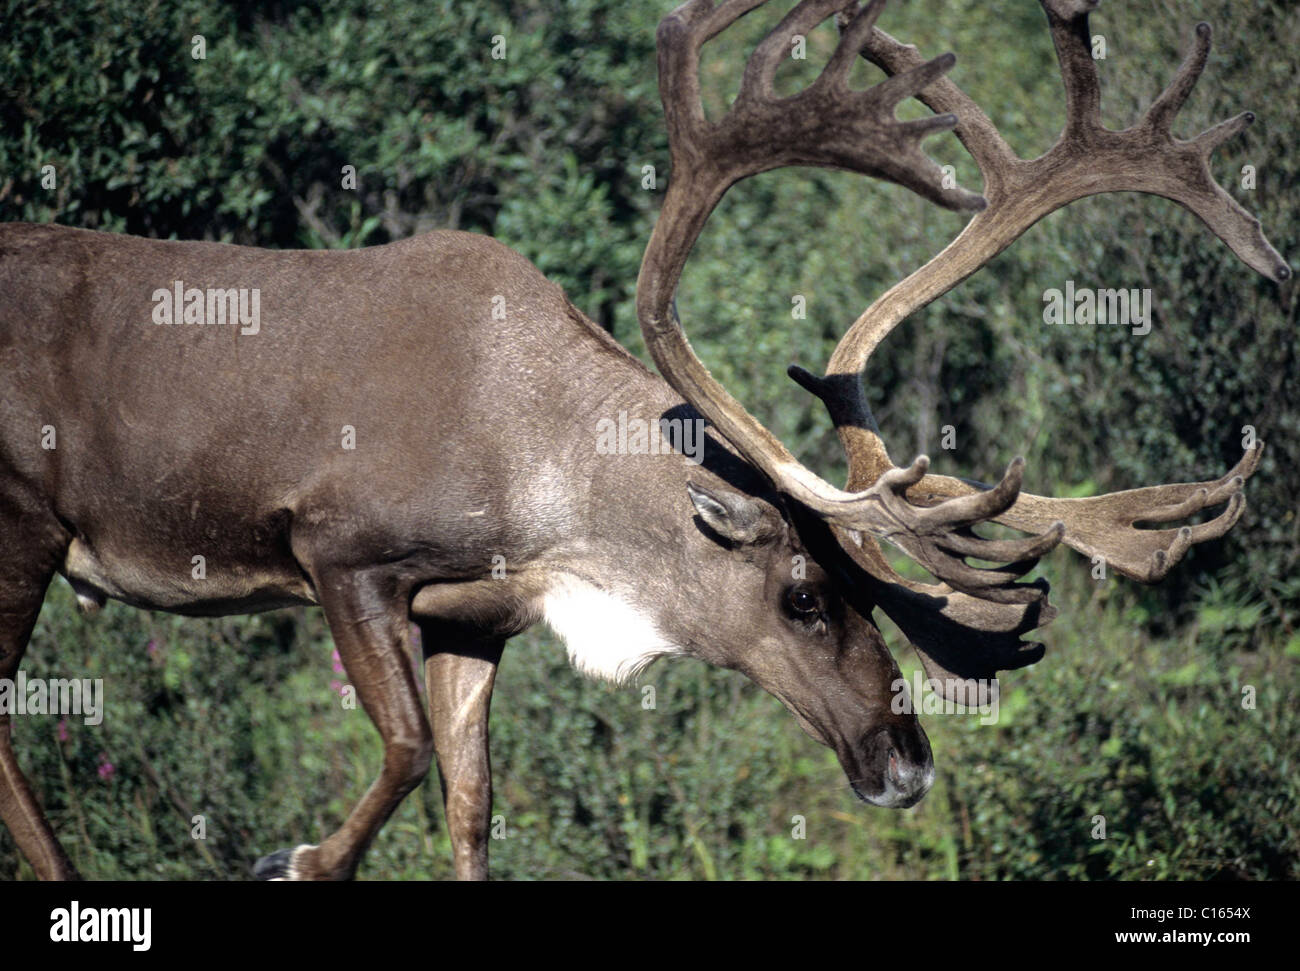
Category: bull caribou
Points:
column 409, row 433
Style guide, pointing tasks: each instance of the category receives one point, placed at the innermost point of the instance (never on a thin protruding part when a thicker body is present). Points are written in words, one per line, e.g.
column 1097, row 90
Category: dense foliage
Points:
column 1135, row 715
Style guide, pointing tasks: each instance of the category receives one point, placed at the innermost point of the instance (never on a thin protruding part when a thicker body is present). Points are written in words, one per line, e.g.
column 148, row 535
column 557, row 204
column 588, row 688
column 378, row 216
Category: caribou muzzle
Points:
column 892, row 767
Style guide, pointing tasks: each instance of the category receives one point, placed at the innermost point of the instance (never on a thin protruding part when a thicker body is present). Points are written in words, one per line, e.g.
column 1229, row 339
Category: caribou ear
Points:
column 731, row 515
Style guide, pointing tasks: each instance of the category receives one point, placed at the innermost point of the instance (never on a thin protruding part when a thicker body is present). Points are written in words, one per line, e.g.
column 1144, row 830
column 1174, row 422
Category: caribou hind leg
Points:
column 368, row 617
column 460, row 668
column 27, row 561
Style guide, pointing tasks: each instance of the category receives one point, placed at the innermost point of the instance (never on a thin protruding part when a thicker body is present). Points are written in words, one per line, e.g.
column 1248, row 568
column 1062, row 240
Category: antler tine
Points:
column 974, row 128
column 723, row 16
column 1068, row 22
column 760, row 72
column 959, row 513
column 1165, row 108
column 855, row 29
column 939, row 537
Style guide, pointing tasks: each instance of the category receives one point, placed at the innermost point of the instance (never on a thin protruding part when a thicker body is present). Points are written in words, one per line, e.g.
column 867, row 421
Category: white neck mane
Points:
column 606, row 636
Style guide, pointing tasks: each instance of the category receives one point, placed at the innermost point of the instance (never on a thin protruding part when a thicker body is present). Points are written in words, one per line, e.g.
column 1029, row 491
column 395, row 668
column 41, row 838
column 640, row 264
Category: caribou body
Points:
column 405, row 419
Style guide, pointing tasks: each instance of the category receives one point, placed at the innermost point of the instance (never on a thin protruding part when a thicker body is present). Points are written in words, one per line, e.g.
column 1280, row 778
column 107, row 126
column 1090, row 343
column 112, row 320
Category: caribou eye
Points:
column 802, row 602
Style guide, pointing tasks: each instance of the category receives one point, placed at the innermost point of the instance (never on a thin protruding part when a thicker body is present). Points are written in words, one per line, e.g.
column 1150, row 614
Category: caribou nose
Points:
column 901, row 754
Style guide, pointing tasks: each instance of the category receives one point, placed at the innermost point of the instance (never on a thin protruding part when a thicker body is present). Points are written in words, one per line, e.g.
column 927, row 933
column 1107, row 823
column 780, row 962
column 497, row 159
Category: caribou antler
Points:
column 962, row 640
column 1086, row 159
column 1106, row 526
column 931, row 517
column 831, row 126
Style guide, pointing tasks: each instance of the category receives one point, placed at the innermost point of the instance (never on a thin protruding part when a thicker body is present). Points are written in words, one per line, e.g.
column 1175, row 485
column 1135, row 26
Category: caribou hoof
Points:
column 278, row 865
